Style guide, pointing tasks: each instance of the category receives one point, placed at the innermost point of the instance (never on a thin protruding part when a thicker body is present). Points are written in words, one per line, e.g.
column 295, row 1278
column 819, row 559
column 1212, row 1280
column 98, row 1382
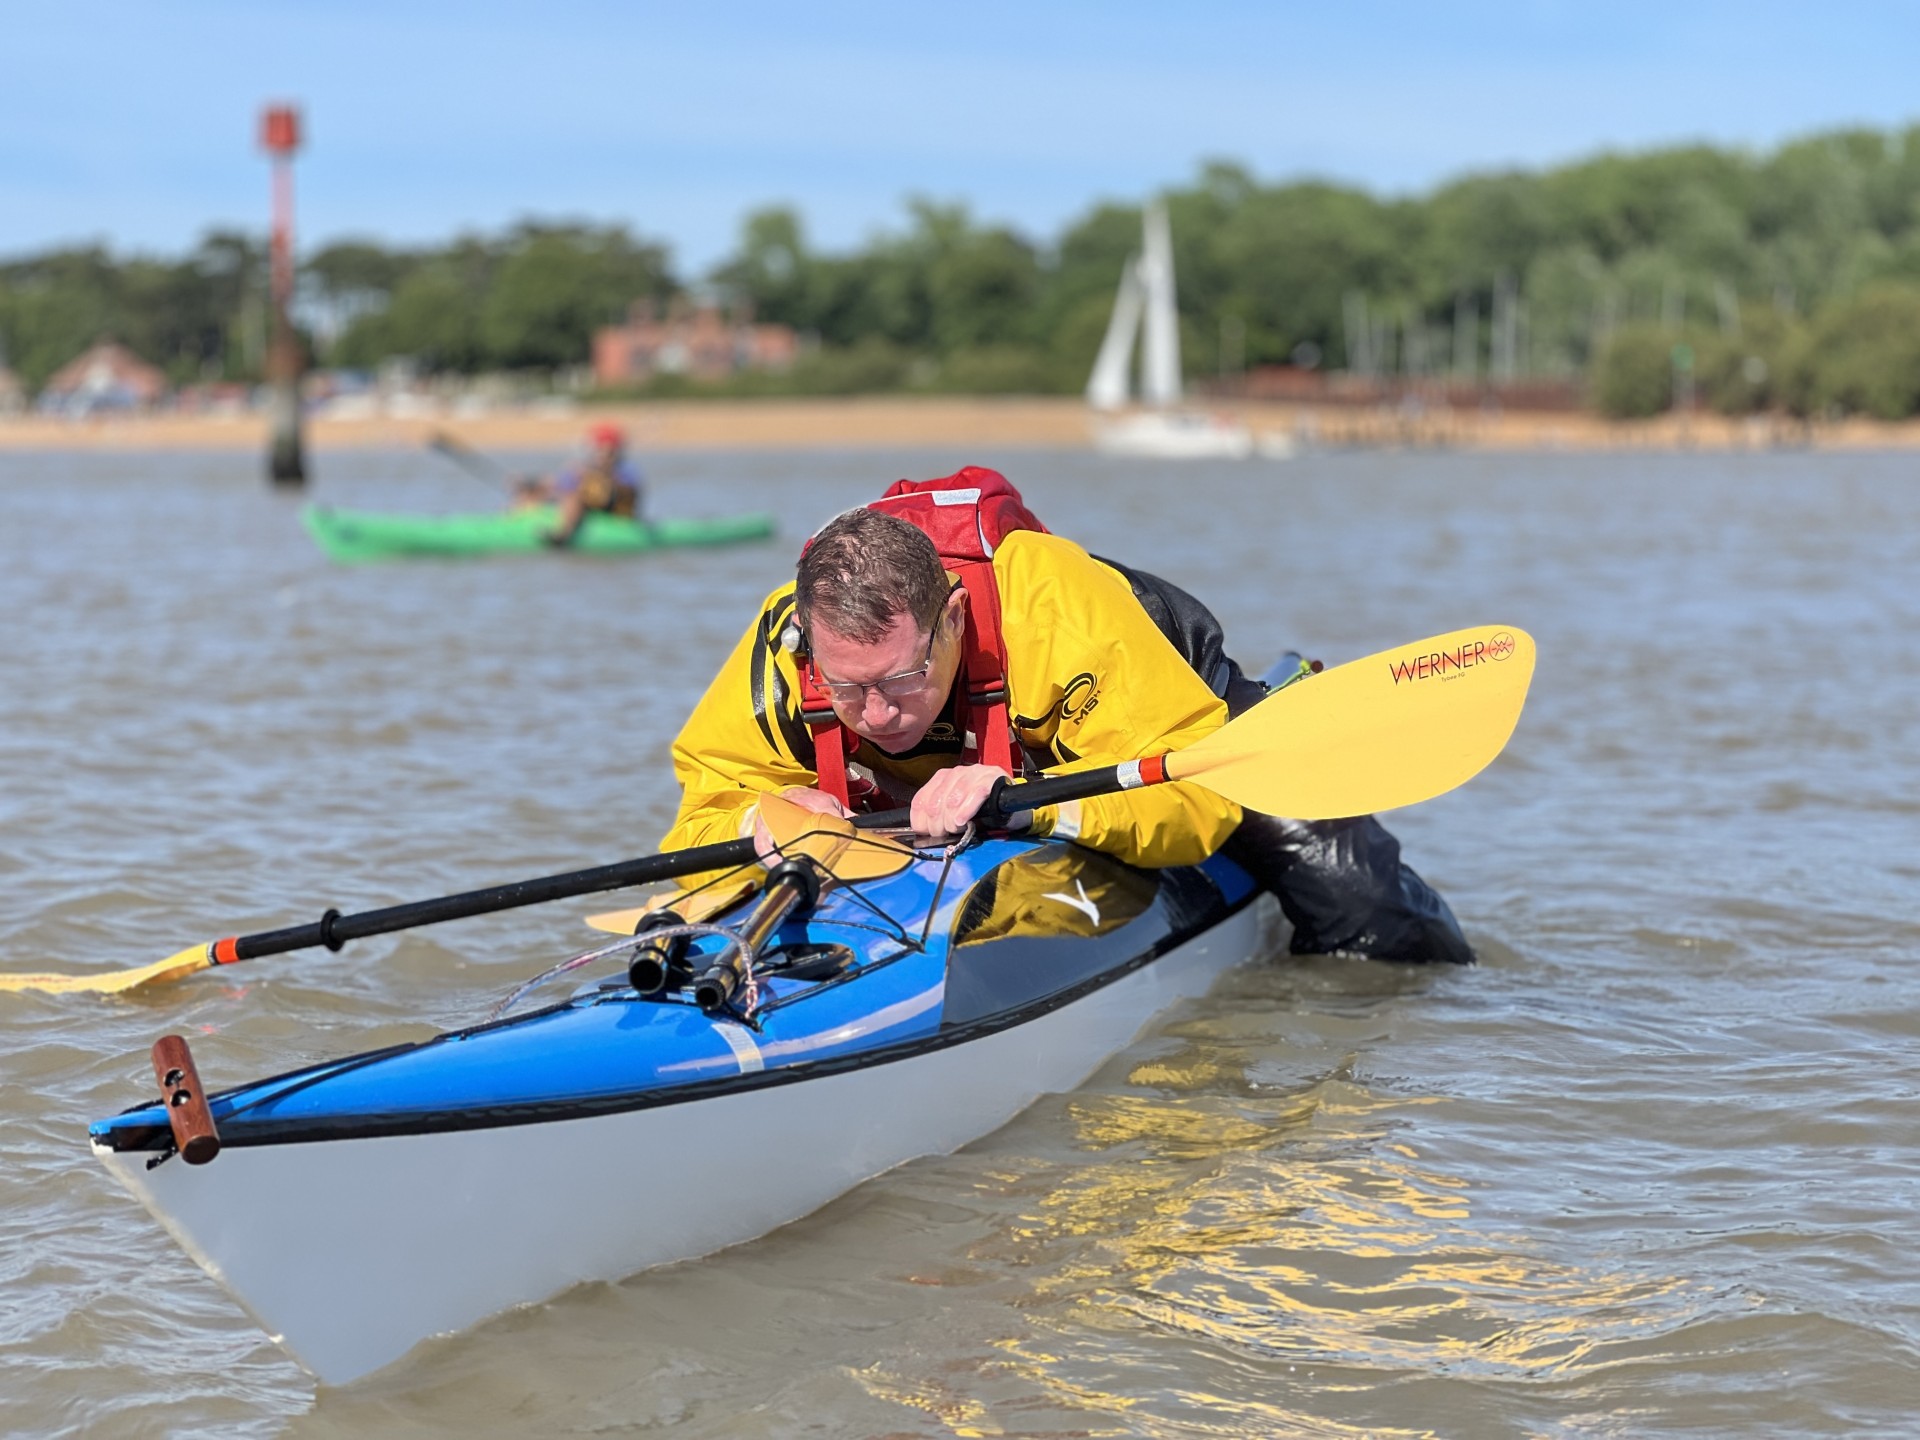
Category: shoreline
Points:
column 896, row 422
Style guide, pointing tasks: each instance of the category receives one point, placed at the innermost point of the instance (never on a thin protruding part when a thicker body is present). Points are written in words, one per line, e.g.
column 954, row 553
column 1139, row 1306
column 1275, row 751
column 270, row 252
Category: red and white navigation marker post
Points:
column 286, row 461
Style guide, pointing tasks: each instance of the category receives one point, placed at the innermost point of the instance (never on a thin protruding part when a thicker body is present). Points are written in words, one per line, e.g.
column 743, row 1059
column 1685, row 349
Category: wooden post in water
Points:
column 286, row 459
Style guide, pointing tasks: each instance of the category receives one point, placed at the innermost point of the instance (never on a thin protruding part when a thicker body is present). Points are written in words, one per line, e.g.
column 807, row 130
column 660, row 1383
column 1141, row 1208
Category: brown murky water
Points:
column 1650, row 1169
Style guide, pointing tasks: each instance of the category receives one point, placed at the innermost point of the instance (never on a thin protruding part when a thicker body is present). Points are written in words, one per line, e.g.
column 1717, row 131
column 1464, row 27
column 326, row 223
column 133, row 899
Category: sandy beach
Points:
column 891, row 421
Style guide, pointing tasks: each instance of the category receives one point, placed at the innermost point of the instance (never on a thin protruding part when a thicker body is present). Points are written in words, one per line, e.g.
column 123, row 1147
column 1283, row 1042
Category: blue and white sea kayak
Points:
column 358, row 1207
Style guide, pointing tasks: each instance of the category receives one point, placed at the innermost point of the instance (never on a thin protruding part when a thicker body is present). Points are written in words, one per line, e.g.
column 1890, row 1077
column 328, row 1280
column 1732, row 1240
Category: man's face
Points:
column 897, row 721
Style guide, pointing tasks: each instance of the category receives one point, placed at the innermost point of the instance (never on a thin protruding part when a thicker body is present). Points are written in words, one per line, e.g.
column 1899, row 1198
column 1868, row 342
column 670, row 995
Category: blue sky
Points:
column 133, row 124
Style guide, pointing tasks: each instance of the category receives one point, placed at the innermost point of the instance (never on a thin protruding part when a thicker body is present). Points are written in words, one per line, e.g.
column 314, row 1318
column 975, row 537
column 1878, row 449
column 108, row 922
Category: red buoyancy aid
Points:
column 966, row 515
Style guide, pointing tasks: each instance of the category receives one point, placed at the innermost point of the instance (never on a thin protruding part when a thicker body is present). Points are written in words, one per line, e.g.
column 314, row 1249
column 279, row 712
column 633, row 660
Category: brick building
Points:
column 700, row 342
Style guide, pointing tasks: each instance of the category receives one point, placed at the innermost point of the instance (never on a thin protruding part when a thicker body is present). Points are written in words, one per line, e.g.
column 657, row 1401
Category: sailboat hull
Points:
column 1174, row 435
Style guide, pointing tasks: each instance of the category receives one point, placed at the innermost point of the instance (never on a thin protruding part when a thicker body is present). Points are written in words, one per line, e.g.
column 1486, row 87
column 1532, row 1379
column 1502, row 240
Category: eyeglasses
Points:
column 894, row 687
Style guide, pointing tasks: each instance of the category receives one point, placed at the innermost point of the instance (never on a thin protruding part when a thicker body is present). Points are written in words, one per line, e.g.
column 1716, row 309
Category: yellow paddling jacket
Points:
column 1090, row 680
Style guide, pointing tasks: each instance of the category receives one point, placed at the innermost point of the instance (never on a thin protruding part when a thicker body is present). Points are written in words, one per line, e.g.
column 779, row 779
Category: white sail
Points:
column 1107, row 386
column 1160, row 358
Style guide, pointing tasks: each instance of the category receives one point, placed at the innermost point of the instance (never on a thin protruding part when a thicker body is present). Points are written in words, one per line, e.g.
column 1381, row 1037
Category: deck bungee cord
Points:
column 671, row 981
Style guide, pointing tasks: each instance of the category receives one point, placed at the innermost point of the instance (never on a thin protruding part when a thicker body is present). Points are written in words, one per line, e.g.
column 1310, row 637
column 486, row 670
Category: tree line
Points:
column 1788, row 279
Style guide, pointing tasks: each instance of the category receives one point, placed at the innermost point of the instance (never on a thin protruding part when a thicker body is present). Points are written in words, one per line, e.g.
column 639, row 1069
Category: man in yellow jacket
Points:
column 1091, row 679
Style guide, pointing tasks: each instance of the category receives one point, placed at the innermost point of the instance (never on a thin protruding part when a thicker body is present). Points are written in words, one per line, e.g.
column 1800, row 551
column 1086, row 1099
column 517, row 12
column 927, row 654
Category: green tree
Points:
column 981, row 289
column 1864, row 355
column 555, row 286
column 432, row 318
column 773, row 271
column 1634, row 376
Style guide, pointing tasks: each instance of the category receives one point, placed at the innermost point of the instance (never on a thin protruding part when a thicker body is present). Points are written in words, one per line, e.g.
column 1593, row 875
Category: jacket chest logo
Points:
column 1079, row 699
column 1082, row 697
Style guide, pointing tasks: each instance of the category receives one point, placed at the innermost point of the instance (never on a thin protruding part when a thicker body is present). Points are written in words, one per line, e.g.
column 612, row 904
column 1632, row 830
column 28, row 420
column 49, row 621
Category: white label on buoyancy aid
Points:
column 740, row 1041
column 956, row 497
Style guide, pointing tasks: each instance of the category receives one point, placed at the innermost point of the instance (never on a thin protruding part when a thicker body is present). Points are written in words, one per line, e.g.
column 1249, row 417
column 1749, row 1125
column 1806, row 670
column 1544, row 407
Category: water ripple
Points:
column 1649, row 1168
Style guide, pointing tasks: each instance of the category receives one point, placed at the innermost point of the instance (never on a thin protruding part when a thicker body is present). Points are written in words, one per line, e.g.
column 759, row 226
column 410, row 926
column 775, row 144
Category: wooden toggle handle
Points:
column 186, row 1102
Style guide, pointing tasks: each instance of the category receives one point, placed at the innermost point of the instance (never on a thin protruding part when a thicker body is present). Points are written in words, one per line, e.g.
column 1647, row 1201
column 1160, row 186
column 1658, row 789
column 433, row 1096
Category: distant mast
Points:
column 286, row 460
column 1160, row 351
column 1143, row 308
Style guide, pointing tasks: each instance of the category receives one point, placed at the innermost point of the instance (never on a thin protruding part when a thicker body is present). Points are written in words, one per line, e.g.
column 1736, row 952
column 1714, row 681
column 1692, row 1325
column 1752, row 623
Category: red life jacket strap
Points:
column 983, row 670
column 830, row 757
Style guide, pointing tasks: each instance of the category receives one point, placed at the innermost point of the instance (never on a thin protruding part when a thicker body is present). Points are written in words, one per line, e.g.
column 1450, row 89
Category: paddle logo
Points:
column 1452, row 664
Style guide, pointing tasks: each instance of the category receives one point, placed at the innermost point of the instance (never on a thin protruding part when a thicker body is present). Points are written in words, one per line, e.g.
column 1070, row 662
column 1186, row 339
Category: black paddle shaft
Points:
column 334, row 929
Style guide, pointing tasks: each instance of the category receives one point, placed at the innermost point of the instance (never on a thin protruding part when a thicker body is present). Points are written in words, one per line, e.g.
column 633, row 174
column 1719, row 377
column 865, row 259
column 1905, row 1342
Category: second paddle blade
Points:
column 1392, row 729
column 174, row 967
column 839, row 849
column 690, row 905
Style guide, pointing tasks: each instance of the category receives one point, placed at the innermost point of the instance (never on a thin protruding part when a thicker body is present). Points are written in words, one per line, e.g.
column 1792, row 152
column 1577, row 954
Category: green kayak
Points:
column 355, row 535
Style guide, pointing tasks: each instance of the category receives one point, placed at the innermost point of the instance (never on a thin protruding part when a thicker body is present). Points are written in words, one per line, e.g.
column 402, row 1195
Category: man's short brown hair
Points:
column 863, row 569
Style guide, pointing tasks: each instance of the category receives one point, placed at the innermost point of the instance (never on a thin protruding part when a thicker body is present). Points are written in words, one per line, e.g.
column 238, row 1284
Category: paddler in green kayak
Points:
column 604, row 483
column 942, row 639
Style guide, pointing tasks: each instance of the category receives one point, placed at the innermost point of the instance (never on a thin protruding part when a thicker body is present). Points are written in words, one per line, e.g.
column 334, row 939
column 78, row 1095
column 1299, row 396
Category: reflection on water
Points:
column 1296, row 1232
column 1649, row 1168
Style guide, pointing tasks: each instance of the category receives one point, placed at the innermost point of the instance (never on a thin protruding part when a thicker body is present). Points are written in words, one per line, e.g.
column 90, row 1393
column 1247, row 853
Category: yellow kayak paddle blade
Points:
column 844, row 852
column 174, row 967
column 693, row 906
column 1375, row 734
column 836, row 845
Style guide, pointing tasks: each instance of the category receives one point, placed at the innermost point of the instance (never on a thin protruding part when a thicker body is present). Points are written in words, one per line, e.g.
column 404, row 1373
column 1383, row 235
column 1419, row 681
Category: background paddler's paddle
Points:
column 1393, row 729
column 488, row 472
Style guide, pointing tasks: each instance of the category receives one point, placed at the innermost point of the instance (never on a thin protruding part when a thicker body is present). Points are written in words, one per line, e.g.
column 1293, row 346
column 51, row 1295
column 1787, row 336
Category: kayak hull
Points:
column 358, row 536
column 352, row 1232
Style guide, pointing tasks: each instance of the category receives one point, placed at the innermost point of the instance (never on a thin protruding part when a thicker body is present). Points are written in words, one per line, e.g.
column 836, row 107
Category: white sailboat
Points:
column 1144, row 310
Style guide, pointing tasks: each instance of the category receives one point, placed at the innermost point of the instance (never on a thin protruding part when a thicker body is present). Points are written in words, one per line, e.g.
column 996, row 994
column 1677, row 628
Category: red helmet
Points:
column 607, row 435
